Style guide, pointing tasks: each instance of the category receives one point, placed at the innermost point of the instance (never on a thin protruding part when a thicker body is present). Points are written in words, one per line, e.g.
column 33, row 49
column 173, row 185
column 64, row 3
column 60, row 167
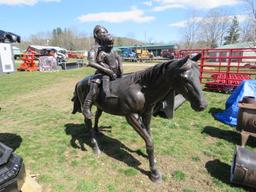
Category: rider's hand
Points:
column 113, row 76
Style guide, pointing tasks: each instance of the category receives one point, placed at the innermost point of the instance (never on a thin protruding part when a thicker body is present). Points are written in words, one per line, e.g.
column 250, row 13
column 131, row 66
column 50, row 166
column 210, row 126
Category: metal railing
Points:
column 224, row 69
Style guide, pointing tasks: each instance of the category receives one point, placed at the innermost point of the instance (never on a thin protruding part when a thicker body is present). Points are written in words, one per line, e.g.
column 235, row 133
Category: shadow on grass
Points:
column 221, row 172
column 11, row 140
column 111, row 147
column 215, row 110
column 230, row 136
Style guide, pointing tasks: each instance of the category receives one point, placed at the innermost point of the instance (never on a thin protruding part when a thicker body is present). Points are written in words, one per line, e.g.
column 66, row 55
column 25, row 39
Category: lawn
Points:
column 194, row 152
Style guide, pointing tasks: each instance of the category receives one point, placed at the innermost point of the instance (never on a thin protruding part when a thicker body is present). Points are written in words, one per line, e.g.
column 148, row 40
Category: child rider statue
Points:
column 108, row 64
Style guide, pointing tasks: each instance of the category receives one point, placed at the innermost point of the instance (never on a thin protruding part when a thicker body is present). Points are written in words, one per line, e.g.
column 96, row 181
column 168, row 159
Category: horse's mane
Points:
column 152, row 73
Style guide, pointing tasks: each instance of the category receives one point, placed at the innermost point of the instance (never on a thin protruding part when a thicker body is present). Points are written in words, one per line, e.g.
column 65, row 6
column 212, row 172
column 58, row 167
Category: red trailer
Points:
column 224, row 69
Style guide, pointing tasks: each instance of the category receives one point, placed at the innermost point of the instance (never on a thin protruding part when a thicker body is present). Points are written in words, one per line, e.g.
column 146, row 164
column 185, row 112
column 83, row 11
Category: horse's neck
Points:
column 159, row 75
column 158, row 83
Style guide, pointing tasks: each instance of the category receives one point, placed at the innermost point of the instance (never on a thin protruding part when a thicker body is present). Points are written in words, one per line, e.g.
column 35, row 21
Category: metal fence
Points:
column 224, row 69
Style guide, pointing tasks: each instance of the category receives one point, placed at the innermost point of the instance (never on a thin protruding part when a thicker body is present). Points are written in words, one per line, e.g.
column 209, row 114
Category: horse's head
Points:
column 188, row 83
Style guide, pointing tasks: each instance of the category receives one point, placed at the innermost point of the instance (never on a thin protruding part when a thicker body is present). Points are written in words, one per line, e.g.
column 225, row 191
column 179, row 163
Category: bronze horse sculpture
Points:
column 136, row 95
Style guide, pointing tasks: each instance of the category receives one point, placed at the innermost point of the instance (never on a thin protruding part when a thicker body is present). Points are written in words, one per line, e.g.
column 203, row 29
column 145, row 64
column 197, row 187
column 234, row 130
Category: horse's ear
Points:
column 182, row 61
column 196, row 57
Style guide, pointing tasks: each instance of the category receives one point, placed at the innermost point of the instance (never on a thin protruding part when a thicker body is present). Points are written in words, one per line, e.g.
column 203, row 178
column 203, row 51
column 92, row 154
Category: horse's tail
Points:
column 76, row 103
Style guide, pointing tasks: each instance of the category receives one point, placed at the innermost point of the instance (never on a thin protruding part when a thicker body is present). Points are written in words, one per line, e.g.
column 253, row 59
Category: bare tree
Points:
column 70, row 39
column 150, row 40
column 206, row 32
column 248, row 31
column 213, row 27
column 251, row 7
column 249, row 27
column 190, row 33
column 39, row 38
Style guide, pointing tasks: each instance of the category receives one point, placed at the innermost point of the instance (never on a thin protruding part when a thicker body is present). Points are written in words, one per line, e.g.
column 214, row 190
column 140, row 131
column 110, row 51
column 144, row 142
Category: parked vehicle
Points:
column 76, row 54
column 39, row 50
column 128, row 52
column 8, row 37
column 168, row 53
column 16, row 52
column 144, row 54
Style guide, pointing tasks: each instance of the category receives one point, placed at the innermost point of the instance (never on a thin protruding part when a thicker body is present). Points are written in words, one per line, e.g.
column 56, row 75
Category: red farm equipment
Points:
column 28, row 62
column 223, row 70
column 76, row 54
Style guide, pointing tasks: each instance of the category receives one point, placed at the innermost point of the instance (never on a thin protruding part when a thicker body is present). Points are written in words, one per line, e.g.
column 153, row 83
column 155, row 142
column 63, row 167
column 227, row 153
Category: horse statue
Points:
column 136, row 95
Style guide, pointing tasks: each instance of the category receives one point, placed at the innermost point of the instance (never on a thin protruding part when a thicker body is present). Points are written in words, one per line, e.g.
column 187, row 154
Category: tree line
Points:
column 217, row 29
column 70, row 39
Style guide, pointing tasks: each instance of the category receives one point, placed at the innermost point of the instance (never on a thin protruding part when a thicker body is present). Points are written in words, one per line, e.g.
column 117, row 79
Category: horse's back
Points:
column 128, row 97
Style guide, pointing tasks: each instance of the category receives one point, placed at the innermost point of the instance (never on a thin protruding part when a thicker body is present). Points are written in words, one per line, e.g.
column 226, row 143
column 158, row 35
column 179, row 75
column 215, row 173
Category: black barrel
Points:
column 246, row 118
column 12, row 171
column 243, row 169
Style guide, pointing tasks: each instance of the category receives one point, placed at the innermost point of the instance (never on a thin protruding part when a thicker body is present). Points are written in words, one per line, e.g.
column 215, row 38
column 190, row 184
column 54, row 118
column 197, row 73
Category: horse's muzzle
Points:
column 202, row 106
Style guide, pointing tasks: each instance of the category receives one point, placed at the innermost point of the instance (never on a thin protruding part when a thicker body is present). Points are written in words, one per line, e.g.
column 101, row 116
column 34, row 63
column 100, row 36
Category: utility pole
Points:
column 145, row 36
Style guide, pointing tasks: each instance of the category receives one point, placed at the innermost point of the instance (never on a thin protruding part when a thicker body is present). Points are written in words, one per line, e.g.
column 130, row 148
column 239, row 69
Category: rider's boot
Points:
column 89, row 99
column 105, row 85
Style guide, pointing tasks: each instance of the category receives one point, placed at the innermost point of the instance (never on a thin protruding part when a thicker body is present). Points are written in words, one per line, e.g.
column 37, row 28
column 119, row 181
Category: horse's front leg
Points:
column 138, row 126
column 146, row 118
column 94, row 143
column 97, row 117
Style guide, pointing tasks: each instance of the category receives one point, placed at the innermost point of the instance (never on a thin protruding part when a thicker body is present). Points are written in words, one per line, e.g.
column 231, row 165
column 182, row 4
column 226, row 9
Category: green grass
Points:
column 179, row 176
column 193, row 151
column 188, row 190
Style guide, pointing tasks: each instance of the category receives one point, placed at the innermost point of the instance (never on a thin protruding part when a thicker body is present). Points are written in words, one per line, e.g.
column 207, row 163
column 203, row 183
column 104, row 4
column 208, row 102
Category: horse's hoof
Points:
column 156, row 177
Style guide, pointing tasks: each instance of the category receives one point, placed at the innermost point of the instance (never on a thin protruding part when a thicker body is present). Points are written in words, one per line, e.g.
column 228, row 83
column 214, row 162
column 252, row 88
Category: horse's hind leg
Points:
column 97, row 117
column 138, row 126
column 94, row 143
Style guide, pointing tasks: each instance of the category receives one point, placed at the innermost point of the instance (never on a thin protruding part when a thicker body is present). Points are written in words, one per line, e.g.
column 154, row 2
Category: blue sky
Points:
column 150, row 20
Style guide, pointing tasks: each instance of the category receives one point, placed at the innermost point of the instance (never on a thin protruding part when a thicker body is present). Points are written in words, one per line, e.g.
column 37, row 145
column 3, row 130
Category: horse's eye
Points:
column 184, row 75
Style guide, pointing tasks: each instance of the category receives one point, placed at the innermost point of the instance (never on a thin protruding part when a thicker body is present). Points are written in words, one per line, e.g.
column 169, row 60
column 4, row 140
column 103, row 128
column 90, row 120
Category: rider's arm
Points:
column 120, row 64
column 101, row 68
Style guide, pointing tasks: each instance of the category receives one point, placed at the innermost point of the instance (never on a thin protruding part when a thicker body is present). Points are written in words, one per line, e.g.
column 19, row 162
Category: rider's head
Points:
column 102, row 37
column 99, row 30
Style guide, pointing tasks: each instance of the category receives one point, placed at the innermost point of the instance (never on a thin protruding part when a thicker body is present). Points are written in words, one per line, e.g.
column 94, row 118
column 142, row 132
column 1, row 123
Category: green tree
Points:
column 233, row 32
column 56, row 36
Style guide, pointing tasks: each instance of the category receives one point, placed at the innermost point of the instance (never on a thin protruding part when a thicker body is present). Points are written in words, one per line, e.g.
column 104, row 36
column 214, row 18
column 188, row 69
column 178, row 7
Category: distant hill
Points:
column 120, row 41
column 77, row 43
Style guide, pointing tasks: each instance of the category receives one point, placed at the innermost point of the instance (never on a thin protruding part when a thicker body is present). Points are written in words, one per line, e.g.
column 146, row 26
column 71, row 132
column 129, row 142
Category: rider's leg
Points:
column 105, row 86
column 89, row 99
